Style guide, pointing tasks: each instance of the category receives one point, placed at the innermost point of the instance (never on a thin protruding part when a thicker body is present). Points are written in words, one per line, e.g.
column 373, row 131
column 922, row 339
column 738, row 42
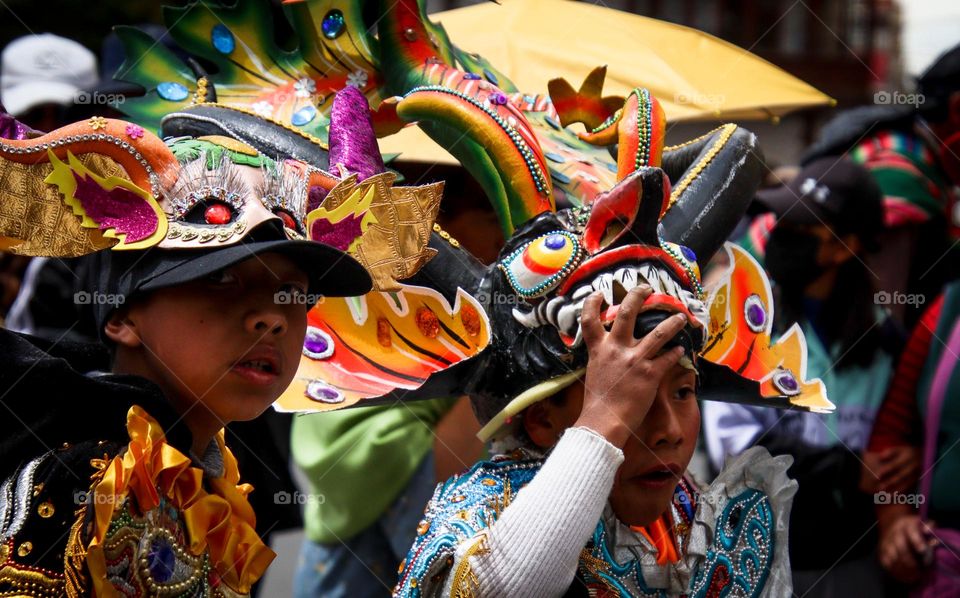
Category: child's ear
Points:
column 539, row 424
column 121, row 329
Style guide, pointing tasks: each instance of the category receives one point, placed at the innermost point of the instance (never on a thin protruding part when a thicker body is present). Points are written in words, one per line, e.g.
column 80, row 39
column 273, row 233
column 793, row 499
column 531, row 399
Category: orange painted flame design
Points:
column 752, row 354
column 384, row 342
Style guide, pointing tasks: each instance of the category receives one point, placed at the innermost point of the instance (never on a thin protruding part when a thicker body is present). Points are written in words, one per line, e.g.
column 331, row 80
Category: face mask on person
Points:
column 791, row 258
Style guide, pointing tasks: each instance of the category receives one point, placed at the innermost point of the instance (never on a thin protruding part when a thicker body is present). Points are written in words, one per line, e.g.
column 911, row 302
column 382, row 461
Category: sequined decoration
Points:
column 461, row 507
column 741, row 556
column 222, row 39
column 284, row 190
column 197, row 183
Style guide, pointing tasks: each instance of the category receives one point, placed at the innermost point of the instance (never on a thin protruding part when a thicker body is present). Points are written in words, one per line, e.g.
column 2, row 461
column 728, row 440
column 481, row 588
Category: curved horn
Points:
column 638, row 129
column 715, row 178
column 353, row 144
column 492, row 139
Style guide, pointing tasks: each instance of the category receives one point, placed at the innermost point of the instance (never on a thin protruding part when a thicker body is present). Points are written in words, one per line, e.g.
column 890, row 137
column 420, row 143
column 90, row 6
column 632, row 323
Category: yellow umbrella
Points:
column 696, row 76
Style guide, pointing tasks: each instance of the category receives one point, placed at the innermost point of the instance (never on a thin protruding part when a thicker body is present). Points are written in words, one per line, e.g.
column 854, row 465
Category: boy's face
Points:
column 657, row 452
column 221, row 348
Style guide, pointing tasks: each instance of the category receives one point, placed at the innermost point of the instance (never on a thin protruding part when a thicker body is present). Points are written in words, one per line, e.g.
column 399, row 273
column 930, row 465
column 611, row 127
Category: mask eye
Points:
column 289, row 220
column 210, row 211
column 539, row 266
column 214, row 206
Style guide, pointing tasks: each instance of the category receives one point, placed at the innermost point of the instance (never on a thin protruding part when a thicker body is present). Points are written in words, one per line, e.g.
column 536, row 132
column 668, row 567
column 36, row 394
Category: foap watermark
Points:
column 297, row 298
column 898, row 498
column 98, row 298
column 86, row 497
column 898, row 298
column 709, row 100
column 297, row 498
column 498, row 298
column 898, row 98
column 97, row 98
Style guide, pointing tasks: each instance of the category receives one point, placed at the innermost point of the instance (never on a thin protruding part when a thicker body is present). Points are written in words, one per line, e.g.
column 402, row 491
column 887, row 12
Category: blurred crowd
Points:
column 860, row 238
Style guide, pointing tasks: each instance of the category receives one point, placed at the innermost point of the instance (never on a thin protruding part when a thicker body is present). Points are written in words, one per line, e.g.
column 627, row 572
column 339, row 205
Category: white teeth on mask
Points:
column 530, row 319
column 563, row 312
column 582, row 292
column 568, row 318
column 627, row 278
column 606, row 287
column 667, row 283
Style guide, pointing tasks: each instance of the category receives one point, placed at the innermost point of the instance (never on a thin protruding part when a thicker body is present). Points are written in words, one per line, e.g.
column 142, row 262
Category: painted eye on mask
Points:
column 289, row 221
column 215, row 206
column 539, row 266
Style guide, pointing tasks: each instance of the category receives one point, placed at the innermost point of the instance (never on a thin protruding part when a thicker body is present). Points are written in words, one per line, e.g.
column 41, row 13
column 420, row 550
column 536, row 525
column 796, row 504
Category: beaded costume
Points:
column 727, row 533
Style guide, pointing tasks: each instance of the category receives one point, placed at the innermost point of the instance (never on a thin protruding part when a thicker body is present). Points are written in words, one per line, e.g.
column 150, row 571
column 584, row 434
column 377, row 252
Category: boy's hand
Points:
column 623, row 374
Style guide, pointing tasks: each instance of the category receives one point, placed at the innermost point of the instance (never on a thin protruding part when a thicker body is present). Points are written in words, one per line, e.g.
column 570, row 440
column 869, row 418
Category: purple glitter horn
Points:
column 11, row 128
column 352, row 141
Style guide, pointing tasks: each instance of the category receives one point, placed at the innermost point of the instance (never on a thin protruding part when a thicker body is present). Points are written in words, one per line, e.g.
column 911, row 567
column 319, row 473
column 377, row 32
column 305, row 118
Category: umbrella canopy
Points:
column 695, row 75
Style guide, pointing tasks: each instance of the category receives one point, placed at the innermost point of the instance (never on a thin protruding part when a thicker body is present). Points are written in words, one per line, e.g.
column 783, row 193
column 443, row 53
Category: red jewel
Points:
column 288, row 220
column 217, row 213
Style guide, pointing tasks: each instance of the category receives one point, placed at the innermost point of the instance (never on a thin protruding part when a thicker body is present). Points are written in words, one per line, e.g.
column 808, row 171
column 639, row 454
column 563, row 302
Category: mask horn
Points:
column 714, row 179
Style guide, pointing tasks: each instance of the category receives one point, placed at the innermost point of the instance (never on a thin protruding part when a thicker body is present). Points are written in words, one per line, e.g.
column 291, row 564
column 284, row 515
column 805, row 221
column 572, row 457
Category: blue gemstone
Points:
column 173, row 92
column 161, row 561
column 303, row 116
column 222, row 39
column 471, row 76
column 559, row 176
column 688, row 253
column 555, row 157
column 333, row 24
column 491, row 77
column 556, row 242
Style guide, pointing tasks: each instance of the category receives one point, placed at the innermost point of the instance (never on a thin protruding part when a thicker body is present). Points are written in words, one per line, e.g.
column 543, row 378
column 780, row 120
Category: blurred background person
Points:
column 371, row 470
column 41, row 75
column 828, row 218
column 910, row 463
column 913, row 152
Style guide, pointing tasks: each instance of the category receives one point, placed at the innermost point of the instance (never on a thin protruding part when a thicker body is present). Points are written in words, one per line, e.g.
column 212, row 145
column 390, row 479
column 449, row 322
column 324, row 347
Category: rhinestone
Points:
column 333, row 24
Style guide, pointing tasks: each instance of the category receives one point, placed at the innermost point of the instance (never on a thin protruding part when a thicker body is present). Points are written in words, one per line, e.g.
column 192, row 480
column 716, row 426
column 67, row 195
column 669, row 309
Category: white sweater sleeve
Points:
column 533, row 548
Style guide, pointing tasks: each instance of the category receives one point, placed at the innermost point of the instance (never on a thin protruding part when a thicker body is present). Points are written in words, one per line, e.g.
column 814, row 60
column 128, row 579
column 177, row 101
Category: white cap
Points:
column 44, row 69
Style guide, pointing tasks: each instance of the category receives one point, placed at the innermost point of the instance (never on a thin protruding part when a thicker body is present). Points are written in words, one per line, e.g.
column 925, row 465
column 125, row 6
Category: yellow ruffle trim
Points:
column 221, row 522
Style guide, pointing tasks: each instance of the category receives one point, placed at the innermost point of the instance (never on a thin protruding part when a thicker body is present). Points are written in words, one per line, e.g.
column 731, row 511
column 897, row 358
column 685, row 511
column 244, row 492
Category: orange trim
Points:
column 660, row 534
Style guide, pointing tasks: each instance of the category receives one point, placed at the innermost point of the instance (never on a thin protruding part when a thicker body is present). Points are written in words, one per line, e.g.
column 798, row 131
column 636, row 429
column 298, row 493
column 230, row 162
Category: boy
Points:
column 116, row 477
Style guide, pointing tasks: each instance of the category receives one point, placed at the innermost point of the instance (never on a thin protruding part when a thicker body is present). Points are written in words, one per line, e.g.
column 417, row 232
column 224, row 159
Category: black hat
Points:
column 122, row 275
column 938, row 83
column 836, row 192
